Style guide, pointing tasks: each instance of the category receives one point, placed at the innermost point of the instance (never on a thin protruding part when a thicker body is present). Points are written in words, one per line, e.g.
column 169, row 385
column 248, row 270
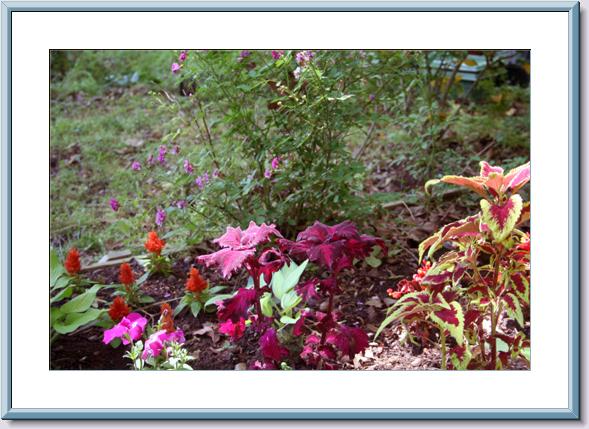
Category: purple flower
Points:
column 277, row 54
column 216, row 173
column 156, row 342
column 182, row 56
column 175, row 150
column 371, row 97
column 150, row 160
column 199, row 183
column 243, row 54
column 129, row 329
column 114, row 204
column 275, row 162
column 268, row 174
column 176, row 67
column 205, row 177
column 160, row 217
column 181, row 204
column 188, row 167
column 162, row 154
column 303, row 58
column 136, row 166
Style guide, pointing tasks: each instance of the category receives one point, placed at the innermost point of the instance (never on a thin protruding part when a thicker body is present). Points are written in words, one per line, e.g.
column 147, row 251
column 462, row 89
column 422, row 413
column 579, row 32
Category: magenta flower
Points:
column 150, row 160
column 277, row 54
column 161, row 157
column 157, row 341
column 176, row 67
column 234, row 330
column 237, row 246
column 114, row 204
column 175, row 150
column 182, row 56
column 243, row 54
column 129, row 329
column 181, row 204
column 160, row 217
column 275, row 162
column 188, row 167
column 371, row 97
column 268, row 174
column 199, row 183
column 136, row 166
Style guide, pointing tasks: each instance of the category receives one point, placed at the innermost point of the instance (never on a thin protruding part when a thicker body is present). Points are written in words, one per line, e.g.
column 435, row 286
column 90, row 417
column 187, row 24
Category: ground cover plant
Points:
column 270, row 210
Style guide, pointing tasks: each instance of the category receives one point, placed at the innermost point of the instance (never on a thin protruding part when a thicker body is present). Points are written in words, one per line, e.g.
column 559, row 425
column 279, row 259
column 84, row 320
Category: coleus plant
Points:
column 198, row 295
column 333, row 248
column 482, row 274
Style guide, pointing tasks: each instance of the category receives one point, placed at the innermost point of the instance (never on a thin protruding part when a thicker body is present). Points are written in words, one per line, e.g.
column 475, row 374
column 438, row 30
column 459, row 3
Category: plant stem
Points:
column 443, row 341
column 495, row 317
column 256, row 277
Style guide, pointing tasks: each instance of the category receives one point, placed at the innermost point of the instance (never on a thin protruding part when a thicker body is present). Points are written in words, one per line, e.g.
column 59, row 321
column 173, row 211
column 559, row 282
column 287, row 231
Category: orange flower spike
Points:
column 154, row 244
column 72, row 262
column 167, row 319
column 126, row 275
column 195, row 282
column 118, row 309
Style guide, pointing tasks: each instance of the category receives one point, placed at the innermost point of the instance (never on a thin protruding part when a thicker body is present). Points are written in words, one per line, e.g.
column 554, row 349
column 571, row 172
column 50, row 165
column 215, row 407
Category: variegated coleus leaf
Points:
column 460, row 356
column 501, row 218
column 463, row 228
column 406, row 306
column 513, row 308
column 517, row 178
column 475, row 184
column 450, row 319
column 521, row 286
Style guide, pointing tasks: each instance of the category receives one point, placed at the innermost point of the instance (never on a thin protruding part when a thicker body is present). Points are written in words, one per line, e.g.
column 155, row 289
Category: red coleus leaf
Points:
column 471, row 316
column 236, row 307
column 234, row 330
column 448, row 316
column 307, row 290
column 271, row 347
column 349, row 341
column 501, row 218
column 333, row 247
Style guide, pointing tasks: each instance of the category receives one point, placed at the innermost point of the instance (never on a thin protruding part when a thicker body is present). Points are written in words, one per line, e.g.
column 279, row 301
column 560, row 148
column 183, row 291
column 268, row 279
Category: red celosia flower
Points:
column 167, row 319
column 195, row 282
column 126, row 275
column 72, row 262
column 118, row 309
column 154, row 244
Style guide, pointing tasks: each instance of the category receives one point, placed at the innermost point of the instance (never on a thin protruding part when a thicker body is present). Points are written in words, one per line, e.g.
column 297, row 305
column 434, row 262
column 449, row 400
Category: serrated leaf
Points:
column 462, row 359
column 82, row 302
column 501, row 218
column 452, row 320
column 74, row 321
column 513, row 308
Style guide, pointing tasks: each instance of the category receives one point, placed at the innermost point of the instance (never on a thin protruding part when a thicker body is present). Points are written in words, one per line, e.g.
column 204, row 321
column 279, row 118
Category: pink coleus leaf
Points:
column 236, row 307
column 271, row 347
column 228, row 260
column 518, row 177
column 236, row 239
column 501, row 218
column 487, row 169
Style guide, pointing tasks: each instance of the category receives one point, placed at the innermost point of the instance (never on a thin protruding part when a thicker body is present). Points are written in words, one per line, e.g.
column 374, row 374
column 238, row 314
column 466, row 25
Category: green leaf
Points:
column 55, row 267
column 513, row 308
column 195, row 308
column 61, row 282
column 290, row 300
column 216, row 298
column 181, row 306
column 502, row 346
column 216, row 289
column 266, row 304
column 287, row 278
column 82, row 302
column 443, row 318
column 146, row 299
column 63, row 294
column 74, row 321
column 288, row 320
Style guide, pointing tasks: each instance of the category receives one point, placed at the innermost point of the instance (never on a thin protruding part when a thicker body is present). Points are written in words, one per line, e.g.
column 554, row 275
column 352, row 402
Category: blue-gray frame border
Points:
column 571, row 413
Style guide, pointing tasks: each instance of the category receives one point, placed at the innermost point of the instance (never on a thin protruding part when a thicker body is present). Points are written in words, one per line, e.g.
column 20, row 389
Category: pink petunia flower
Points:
column 158, row 340
column 130, row 328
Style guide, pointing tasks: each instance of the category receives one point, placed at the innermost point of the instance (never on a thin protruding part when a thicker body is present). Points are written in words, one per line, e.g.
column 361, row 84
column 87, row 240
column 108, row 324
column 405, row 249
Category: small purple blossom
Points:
column 162, row 154
column 175, row 150
column 216, row 173
column 150, row 160
column 277, row 54
column 114, row 204
column 268, row 174
column 176, row 68
column 188, row 167
column 243, row 54
column 182, row 56
column 198, row 181
column 181, row 204
column 205, row 177
column 275, row 162
column 136, row 166
column 160, row 217
column 303, row 58
column 371, row 97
